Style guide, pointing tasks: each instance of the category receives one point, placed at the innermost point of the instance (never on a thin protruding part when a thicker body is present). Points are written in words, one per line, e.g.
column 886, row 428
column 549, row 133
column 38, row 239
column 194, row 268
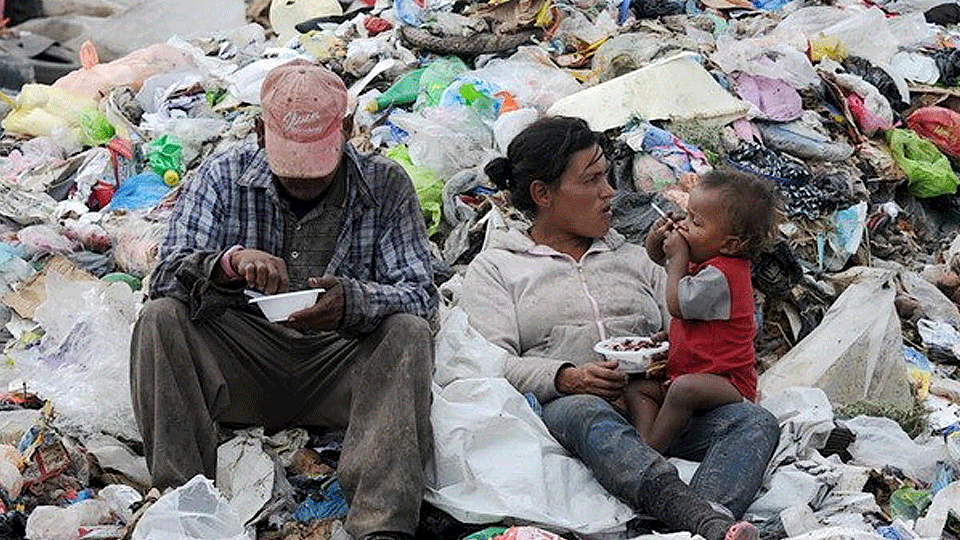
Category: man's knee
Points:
column 407, row 341
column 161, row 314
column 411, row 327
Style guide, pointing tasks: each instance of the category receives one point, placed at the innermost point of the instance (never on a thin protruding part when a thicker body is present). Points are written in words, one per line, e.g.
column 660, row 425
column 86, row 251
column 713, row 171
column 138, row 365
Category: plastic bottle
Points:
column 402, row 92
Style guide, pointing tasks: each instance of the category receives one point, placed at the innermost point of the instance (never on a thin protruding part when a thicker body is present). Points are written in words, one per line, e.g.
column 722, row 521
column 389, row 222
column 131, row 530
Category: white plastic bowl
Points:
column 278, row 307
column 624, row 349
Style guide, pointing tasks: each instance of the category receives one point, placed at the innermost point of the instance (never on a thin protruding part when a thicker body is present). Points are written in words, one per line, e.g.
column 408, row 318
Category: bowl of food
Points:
column 278, row 307
column 633, row 352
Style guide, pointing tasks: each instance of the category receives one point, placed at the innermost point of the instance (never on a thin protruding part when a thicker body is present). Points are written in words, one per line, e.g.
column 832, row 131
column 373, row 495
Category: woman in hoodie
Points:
column 549, row 293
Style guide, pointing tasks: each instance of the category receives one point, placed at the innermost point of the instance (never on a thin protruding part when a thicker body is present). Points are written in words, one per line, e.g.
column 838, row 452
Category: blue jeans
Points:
column 733, row 443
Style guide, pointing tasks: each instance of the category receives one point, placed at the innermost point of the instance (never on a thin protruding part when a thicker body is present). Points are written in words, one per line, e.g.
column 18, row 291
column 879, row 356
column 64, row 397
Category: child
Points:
column 730, row 216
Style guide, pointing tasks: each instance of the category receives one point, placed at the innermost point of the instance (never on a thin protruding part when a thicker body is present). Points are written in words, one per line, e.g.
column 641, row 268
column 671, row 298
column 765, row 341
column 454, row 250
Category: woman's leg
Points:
column 733, row 444
column 590, row 428
column 687, row 394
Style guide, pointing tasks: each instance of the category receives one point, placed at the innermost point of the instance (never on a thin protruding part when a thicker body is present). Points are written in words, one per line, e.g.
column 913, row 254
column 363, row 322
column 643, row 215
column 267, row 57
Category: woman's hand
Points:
column 597, row 378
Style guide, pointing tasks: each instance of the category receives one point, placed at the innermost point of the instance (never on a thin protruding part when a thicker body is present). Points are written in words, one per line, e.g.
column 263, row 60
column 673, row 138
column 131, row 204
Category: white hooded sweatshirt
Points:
column 548, row 310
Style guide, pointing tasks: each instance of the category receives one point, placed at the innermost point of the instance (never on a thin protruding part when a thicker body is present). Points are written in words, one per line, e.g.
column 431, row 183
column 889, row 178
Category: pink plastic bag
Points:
column 98, row 80
column 775, row 98
column 938, row 125
column 869, row 122
column 527, row 533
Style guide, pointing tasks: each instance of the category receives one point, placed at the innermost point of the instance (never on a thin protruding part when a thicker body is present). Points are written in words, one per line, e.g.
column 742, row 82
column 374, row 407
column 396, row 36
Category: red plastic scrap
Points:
column 376, row 25
column 938, row 125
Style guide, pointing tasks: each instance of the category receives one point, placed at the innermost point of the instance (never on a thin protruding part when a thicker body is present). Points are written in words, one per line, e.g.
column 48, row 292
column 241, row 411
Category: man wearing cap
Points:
column 299, row 209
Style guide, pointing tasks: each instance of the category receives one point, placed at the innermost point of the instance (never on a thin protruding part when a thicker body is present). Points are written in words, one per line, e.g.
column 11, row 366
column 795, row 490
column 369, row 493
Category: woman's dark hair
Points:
column 540, row 152
column 752, row 204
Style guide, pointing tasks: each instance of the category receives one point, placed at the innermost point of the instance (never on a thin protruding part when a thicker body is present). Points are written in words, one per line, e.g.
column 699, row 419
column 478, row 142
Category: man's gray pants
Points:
column 188, row 376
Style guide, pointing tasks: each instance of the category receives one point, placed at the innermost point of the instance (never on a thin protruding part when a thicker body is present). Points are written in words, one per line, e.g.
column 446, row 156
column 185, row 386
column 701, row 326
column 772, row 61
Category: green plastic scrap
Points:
column 927, row 169
column 486, row 534
column 132, row 281
column 428, row 185
column 215, row 96
column 95, row 129
column 909, row 503
column 164, row 154
column 436, row 78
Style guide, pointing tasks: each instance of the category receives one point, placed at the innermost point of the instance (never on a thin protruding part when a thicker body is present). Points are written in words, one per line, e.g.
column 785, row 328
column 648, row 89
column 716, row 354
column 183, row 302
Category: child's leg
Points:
column 685, row 395
column 643, row 397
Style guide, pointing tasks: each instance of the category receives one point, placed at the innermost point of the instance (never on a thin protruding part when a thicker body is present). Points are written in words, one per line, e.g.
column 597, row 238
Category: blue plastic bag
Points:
column 137, row 192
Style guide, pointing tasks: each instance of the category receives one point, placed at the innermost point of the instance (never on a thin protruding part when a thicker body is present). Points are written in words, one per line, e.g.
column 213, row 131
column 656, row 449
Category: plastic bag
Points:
column 436, row 78
column 45, row 110
column 927, row 169
column 921, row 371
column 939, row 125
column 765, row 58
column 131, row 70
column 855, row 353
column 44, row 239
column 774, row 98
column 95, row 129
column 869, row 122
column 506, row 462
column 799, row 140
column 429, row 187
column 137, row 243
column 82, row 362
column 138, row 192
column 445, row 140
column 195, row 510
column 881, row 442
column 528, row 533
column 164, row 154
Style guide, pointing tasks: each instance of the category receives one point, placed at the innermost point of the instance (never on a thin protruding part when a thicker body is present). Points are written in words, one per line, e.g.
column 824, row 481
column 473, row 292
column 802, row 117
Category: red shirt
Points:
column 716, row 332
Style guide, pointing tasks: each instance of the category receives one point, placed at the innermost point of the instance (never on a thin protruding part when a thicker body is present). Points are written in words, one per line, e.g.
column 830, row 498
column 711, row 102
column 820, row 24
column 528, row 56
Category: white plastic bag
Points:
column 82, row 363
column 494, row 457
column 768, row 58
column 445, row 140
column 195, row 510
column 880, row 442
column 855, row 353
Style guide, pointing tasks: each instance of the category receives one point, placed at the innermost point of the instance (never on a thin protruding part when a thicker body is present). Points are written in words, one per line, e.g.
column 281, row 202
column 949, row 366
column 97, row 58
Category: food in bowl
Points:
column 278, row 307
column 633, row 352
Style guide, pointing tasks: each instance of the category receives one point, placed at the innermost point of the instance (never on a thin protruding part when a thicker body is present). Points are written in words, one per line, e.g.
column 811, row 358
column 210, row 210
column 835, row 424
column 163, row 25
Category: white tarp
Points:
column 494, row 457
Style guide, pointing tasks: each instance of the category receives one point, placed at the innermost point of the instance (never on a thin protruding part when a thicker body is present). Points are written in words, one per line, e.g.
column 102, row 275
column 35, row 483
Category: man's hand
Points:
column 261, row 270
column 598, row 378
column 327, row 313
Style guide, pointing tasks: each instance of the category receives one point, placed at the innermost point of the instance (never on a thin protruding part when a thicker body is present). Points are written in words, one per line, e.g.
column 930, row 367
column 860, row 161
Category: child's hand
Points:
column 675, row 245
column 656, row 235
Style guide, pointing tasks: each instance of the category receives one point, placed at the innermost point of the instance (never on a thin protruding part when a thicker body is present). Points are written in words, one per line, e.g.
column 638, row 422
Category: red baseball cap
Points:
column 303, row 109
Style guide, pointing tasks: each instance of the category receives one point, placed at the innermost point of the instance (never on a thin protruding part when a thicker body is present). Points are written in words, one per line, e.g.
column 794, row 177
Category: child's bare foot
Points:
column 742, row 530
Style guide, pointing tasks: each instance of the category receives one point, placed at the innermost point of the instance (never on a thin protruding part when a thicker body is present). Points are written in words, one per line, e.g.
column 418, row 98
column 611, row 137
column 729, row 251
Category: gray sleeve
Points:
column 705, row 296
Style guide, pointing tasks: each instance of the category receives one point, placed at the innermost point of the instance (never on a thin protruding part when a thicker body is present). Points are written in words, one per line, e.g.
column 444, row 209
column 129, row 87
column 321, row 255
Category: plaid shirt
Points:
column 381, row 258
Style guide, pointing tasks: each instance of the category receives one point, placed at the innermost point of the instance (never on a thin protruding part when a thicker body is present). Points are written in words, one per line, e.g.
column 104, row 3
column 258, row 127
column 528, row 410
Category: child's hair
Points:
column 752, row 204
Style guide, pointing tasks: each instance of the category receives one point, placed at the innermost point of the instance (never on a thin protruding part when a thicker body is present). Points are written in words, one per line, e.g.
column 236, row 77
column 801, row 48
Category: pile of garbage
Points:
column 850, row 107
